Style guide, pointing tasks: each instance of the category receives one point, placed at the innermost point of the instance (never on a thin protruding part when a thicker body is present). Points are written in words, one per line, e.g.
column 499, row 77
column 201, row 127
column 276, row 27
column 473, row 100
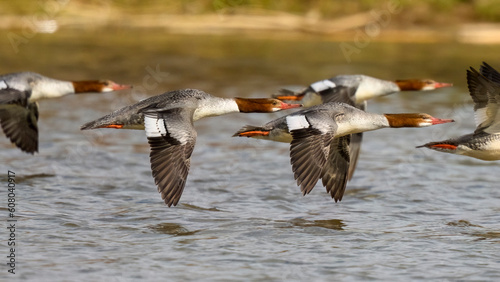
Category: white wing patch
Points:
column 481, row 116
column 3, row 85
column 322, row 85
column 155, row 127
column 297, row 122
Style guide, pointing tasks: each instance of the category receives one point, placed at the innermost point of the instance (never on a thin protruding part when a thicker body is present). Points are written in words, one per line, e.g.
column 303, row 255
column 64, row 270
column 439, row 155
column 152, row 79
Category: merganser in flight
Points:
column 168, row 120
column 484, row 143
column 355, row 90
column 19, row 109
column 320, row 138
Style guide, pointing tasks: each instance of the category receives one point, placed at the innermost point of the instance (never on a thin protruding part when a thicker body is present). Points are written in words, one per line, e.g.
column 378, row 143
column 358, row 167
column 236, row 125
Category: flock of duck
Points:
column 324, row 138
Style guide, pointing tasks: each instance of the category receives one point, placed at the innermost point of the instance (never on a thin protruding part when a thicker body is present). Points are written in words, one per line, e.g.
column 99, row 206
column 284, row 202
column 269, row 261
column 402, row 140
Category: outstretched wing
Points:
column 344, row 94
column 486, row 97
column 19, row 118
column 334, row 174
column 10, row 95
column 309, row 151
column 172, row 137
column 490, row 73
column 340, row 93
column 355, row 147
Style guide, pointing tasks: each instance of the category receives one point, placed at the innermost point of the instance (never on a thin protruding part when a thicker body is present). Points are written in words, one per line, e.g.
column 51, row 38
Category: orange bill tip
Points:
column 253, row 133
column 443, row 146
column 117, row 126
column 116, row 86
column 290, row 98
column 285, row 106
column 443, row 84
column 440, row 121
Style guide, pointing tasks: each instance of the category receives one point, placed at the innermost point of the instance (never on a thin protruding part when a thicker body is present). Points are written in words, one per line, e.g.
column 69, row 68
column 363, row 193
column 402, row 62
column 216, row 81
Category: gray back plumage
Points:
column 134, row 114
column 21, row 81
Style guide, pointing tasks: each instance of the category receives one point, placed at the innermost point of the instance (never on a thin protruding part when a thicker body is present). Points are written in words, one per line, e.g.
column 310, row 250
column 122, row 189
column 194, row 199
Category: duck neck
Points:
column 409, row 84
column 88, row 86
column 360, row 123
column 215, row 106
column 403, row 120
column 371, row 87
column 51, row 88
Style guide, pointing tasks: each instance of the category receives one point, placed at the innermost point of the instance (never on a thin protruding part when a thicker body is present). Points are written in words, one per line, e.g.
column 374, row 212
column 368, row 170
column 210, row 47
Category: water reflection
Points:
column 33, row 176
column 194, row 207
column 334, row 224
column 487, row 235
column 172, row 229
column 462, row 223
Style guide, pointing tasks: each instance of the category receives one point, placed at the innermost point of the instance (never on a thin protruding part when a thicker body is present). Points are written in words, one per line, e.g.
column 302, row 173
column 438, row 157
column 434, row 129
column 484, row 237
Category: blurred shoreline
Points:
column 359, row 28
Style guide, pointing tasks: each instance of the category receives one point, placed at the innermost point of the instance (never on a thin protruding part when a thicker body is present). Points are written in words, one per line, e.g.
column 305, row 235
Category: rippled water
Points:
column 88, row 208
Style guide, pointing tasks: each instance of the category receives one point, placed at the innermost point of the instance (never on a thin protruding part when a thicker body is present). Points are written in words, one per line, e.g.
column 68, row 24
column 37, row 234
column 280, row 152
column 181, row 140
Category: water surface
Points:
column 88, row 207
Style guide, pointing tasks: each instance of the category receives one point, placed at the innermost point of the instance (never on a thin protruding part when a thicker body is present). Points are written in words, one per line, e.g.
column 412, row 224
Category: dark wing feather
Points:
column 490, row 73
column 486, row 97
column 355, row 147
column 477, row 90
column 344, row 94
column 19, row 123
column 341, row 94
column 171, row 148
column 334, row 174
column 308, row 155
column 13, row 96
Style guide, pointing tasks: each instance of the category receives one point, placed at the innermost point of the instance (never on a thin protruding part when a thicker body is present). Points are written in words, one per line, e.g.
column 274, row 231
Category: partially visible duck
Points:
column 484, row 143
column 320, row 138
column 355, row 90
column 168, row 120
column 19, row 110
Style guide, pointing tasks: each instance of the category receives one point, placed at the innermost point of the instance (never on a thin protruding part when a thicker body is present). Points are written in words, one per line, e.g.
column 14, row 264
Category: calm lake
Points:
column 87, row 208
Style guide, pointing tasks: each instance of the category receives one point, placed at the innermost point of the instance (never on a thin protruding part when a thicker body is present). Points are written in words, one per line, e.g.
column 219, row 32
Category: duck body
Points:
column 482, row 146
column 318, row 116
column 354, row 90
column 201, row 103
column 19, row 93
column 39, row 86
